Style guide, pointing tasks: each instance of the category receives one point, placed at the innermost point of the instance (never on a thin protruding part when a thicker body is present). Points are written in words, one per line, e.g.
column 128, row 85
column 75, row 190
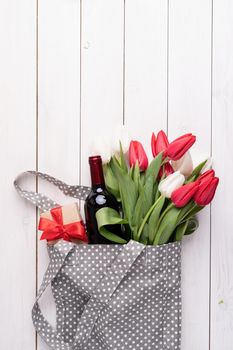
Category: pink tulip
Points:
column 137, row 154
column 159, row 144
column 184, row 194
column 206, row 191
column 177, row 148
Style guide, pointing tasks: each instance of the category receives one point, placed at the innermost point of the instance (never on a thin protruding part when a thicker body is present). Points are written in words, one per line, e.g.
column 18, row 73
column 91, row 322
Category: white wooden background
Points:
column 72, row 69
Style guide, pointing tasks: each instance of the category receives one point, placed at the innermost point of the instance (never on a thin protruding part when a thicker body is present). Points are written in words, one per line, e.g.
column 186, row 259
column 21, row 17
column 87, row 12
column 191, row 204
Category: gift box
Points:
column 63, row 222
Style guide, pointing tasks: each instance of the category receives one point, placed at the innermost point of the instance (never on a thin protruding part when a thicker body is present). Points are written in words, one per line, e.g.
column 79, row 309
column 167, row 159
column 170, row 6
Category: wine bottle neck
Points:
column 96, row 169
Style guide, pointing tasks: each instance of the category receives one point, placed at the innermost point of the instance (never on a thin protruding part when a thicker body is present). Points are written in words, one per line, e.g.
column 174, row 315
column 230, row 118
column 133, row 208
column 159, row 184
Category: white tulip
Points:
column 102, row 148
column 108, row 145
column 171, row 183
column 184, row 164
column 208, row 165
column 121, row 134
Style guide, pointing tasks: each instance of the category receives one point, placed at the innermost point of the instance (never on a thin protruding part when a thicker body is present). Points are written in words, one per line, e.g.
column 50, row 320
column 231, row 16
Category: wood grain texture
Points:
column 102, row 77
column 145, row 68
column 17, row 152
column 149, row 64
column 189, row 110
column 59, row 109
column 221, row 217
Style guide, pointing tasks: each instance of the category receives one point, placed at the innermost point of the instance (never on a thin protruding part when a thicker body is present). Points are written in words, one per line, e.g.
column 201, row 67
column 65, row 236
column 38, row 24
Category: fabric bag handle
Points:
column 43, row 202
column 99, row 299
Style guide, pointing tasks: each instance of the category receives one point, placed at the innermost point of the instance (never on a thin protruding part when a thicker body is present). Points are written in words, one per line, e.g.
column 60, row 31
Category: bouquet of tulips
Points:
column 159, row 200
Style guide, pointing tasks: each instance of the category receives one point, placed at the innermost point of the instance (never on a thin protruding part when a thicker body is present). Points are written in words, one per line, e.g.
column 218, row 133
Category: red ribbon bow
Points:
column 55, row 229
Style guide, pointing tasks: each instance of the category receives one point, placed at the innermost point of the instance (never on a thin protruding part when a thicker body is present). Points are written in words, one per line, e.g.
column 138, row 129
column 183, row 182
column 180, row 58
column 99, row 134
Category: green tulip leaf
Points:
column 196, row 172
column 192, row 210
column 186, row 228
column 105, row 218
column 131, row 171
column 127, row 189
column 145, row 234
column 144, row 203
column 154, row 167
column 185, row 210
column 149, row 194
column 138, row 213
column 180, row 231
column 123, row 160
column 156, row 191
column 129, row 195
column 116, row 167
column 167, row 226
column 111, row 181
column 154, row 218
column 190, row 179
column 136, row 175
column 141, row 181
column 145, row 219
column 193, row 225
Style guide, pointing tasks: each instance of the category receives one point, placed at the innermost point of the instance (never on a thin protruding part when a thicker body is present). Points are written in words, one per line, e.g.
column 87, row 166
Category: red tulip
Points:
column 153, row 144
column 184, row 194
column 160, row 144
column 168, row 169
column 137, row 154
column 209, row 174
column 206, row 191
column 180, row 146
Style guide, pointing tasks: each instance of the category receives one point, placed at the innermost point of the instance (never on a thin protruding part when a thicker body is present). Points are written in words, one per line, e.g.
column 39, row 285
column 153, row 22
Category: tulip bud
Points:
column 209, row 174
column 184, row 164
column 153, row 144
column 101, row 147
column 180, row 146
column 206, row 191
column 121, row 135
column 184, row 194
column 160, row 144
column 171, row 183
column 137, row 154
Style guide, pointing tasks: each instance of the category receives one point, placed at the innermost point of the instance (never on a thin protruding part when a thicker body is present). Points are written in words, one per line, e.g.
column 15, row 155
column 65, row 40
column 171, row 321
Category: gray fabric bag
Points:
column 109, row 297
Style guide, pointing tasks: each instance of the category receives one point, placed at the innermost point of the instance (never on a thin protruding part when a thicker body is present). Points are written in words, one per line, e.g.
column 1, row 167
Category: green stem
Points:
column 161, row 218
column 165, row 161
column 165, row 212
column 182, row 219
column 146, row 218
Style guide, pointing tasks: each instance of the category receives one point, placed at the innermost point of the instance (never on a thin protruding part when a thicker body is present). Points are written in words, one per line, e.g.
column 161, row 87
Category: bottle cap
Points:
column 97, row 176
column 95, row 159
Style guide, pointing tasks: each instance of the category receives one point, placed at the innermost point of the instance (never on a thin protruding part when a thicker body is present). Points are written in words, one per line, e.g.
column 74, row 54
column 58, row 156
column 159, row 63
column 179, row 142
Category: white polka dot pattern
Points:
column 113, row 297
column 43, row 202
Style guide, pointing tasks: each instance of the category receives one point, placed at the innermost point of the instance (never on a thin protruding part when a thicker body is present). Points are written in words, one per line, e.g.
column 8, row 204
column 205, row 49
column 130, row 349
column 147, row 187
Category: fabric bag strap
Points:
column 43, row 202
column 42, row 326
column 99, row 300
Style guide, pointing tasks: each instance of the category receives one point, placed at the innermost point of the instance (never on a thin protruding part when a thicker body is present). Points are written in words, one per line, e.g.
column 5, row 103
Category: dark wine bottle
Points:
column 98, row 198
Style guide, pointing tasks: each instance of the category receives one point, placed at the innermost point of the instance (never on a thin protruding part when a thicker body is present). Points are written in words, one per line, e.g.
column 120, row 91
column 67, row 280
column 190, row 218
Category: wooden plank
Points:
column 222, row 238
column 189, row 107
column 17, row 132
column 59, row 107
column 145, row 68
column 102, row 76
